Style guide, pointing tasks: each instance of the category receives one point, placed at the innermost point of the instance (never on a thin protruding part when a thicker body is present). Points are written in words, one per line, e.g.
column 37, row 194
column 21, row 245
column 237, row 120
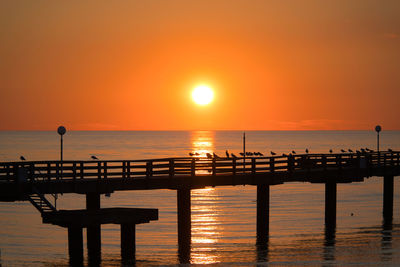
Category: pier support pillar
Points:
column 262, row 213
column 330, row 205
column 128, row 245
column 184, row 224
column 388, row 198
column 93, row 231
column 75, row 245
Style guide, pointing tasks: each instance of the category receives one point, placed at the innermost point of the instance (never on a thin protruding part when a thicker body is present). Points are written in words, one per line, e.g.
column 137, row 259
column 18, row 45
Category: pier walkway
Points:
column 32, row 180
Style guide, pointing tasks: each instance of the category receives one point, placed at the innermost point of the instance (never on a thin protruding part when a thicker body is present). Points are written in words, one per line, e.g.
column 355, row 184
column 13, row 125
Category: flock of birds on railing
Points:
column 254, row 154
column 259, row 154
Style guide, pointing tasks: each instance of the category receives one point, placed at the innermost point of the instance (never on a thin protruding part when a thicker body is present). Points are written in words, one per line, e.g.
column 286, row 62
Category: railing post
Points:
column 233, row 166
column 99, row 170
column 57, row 171
column 149, row 169
column 253, row 165
column 193, row 168
column 15, row 174
column 323, row 161
column 48, row 171
column 272, row 165
column 74, row 171
column 123, row 169
column 128, row 167
column 171, row 168
column 82, row 170
column 339, row 162
column 290, row 163
column 105, row 169
column 214, row 169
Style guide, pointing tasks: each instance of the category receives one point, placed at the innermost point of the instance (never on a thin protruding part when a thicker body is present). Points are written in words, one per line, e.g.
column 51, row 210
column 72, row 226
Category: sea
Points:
column 223, row 218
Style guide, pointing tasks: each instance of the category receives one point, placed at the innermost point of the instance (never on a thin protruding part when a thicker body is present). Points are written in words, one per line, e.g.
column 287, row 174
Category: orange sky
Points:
column 131, row 65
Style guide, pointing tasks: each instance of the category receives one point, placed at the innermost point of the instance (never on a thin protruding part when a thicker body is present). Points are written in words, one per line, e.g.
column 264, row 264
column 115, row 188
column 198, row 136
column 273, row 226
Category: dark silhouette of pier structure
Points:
column 31, row 180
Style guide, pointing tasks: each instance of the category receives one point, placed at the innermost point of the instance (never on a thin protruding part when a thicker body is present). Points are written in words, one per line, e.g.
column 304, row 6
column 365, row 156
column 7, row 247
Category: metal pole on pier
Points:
column 244, row 152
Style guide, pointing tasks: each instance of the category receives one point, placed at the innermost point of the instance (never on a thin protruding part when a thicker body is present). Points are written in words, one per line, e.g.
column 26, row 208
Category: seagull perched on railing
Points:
column 307, row 150
column 216, row 156
column 342, row 150
column 330, row 150
column 351, row 151
column 22, row 158
column 233, row 156
column 227, row 153
column 273, row 153
column 209, row 155
column 241, row 154
column 93, row 157
column 260, row 154
column 191, row 154
column 390, row 150
column 293, row 152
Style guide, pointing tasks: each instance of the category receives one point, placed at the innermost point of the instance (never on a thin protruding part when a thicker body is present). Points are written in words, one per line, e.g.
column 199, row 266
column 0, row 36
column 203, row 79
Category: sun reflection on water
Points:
column 202, row 143
column 206, row 226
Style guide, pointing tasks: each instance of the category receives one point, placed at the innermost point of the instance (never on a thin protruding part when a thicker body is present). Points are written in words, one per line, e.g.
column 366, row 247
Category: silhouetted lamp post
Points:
column 378, row 128
column 61, row 131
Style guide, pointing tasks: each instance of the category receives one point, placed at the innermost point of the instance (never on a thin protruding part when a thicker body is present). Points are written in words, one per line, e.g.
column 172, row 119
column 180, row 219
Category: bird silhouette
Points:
column 342, row 150
column 330, row 150
column 209, row 155
column 351, row 151
column 284, row 155
column 22, row 158
column 241, row 154
column 233, row 156
column 216, row 156
column 362, row 150
column 307, row 150
column 227, row 153
column 293, row 152
column 260, row 154
column 369, row 150
column 196, row 154
column 94, row 157
column 191, row 154
column 273, row 153
column 390, row 150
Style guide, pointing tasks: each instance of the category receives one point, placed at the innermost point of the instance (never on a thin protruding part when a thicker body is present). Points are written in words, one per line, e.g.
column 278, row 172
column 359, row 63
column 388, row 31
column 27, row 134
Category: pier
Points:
column 32, row 180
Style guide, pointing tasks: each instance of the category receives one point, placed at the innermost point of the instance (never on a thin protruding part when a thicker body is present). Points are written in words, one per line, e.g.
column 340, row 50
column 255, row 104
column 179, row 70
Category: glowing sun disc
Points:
column 202, row 95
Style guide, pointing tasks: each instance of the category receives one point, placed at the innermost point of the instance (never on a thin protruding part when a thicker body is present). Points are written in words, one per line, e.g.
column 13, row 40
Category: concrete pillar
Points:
column 128, row 245
column 388, row 198
column 262, row 213
column 184, row 224
column 93, row 231
column 330, row 205
column 75, row 245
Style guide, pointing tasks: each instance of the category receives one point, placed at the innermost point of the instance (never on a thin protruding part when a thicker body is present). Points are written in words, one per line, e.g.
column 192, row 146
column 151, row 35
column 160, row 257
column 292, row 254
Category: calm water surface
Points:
column 223, row 218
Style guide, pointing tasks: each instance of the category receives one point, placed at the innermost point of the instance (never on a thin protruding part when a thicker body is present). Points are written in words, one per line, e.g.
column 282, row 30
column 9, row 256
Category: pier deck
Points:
column 32, row 180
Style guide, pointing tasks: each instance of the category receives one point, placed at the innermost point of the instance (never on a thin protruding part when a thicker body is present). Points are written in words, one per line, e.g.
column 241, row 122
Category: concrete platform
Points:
column 85, row 218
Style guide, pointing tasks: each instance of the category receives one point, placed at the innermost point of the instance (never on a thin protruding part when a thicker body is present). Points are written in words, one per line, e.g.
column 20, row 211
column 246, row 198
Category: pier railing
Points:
column 190, row 166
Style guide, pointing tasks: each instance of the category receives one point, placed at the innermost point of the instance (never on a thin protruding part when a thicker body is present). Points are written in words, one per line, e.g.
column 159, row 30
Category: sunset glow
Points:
column 272, row 65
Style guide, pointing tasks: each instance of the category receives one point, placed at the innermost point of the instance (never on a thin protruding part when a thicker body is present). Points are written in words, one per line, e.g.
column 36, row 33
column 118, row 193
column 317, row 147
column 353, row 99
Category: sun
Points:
column 202, row 95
